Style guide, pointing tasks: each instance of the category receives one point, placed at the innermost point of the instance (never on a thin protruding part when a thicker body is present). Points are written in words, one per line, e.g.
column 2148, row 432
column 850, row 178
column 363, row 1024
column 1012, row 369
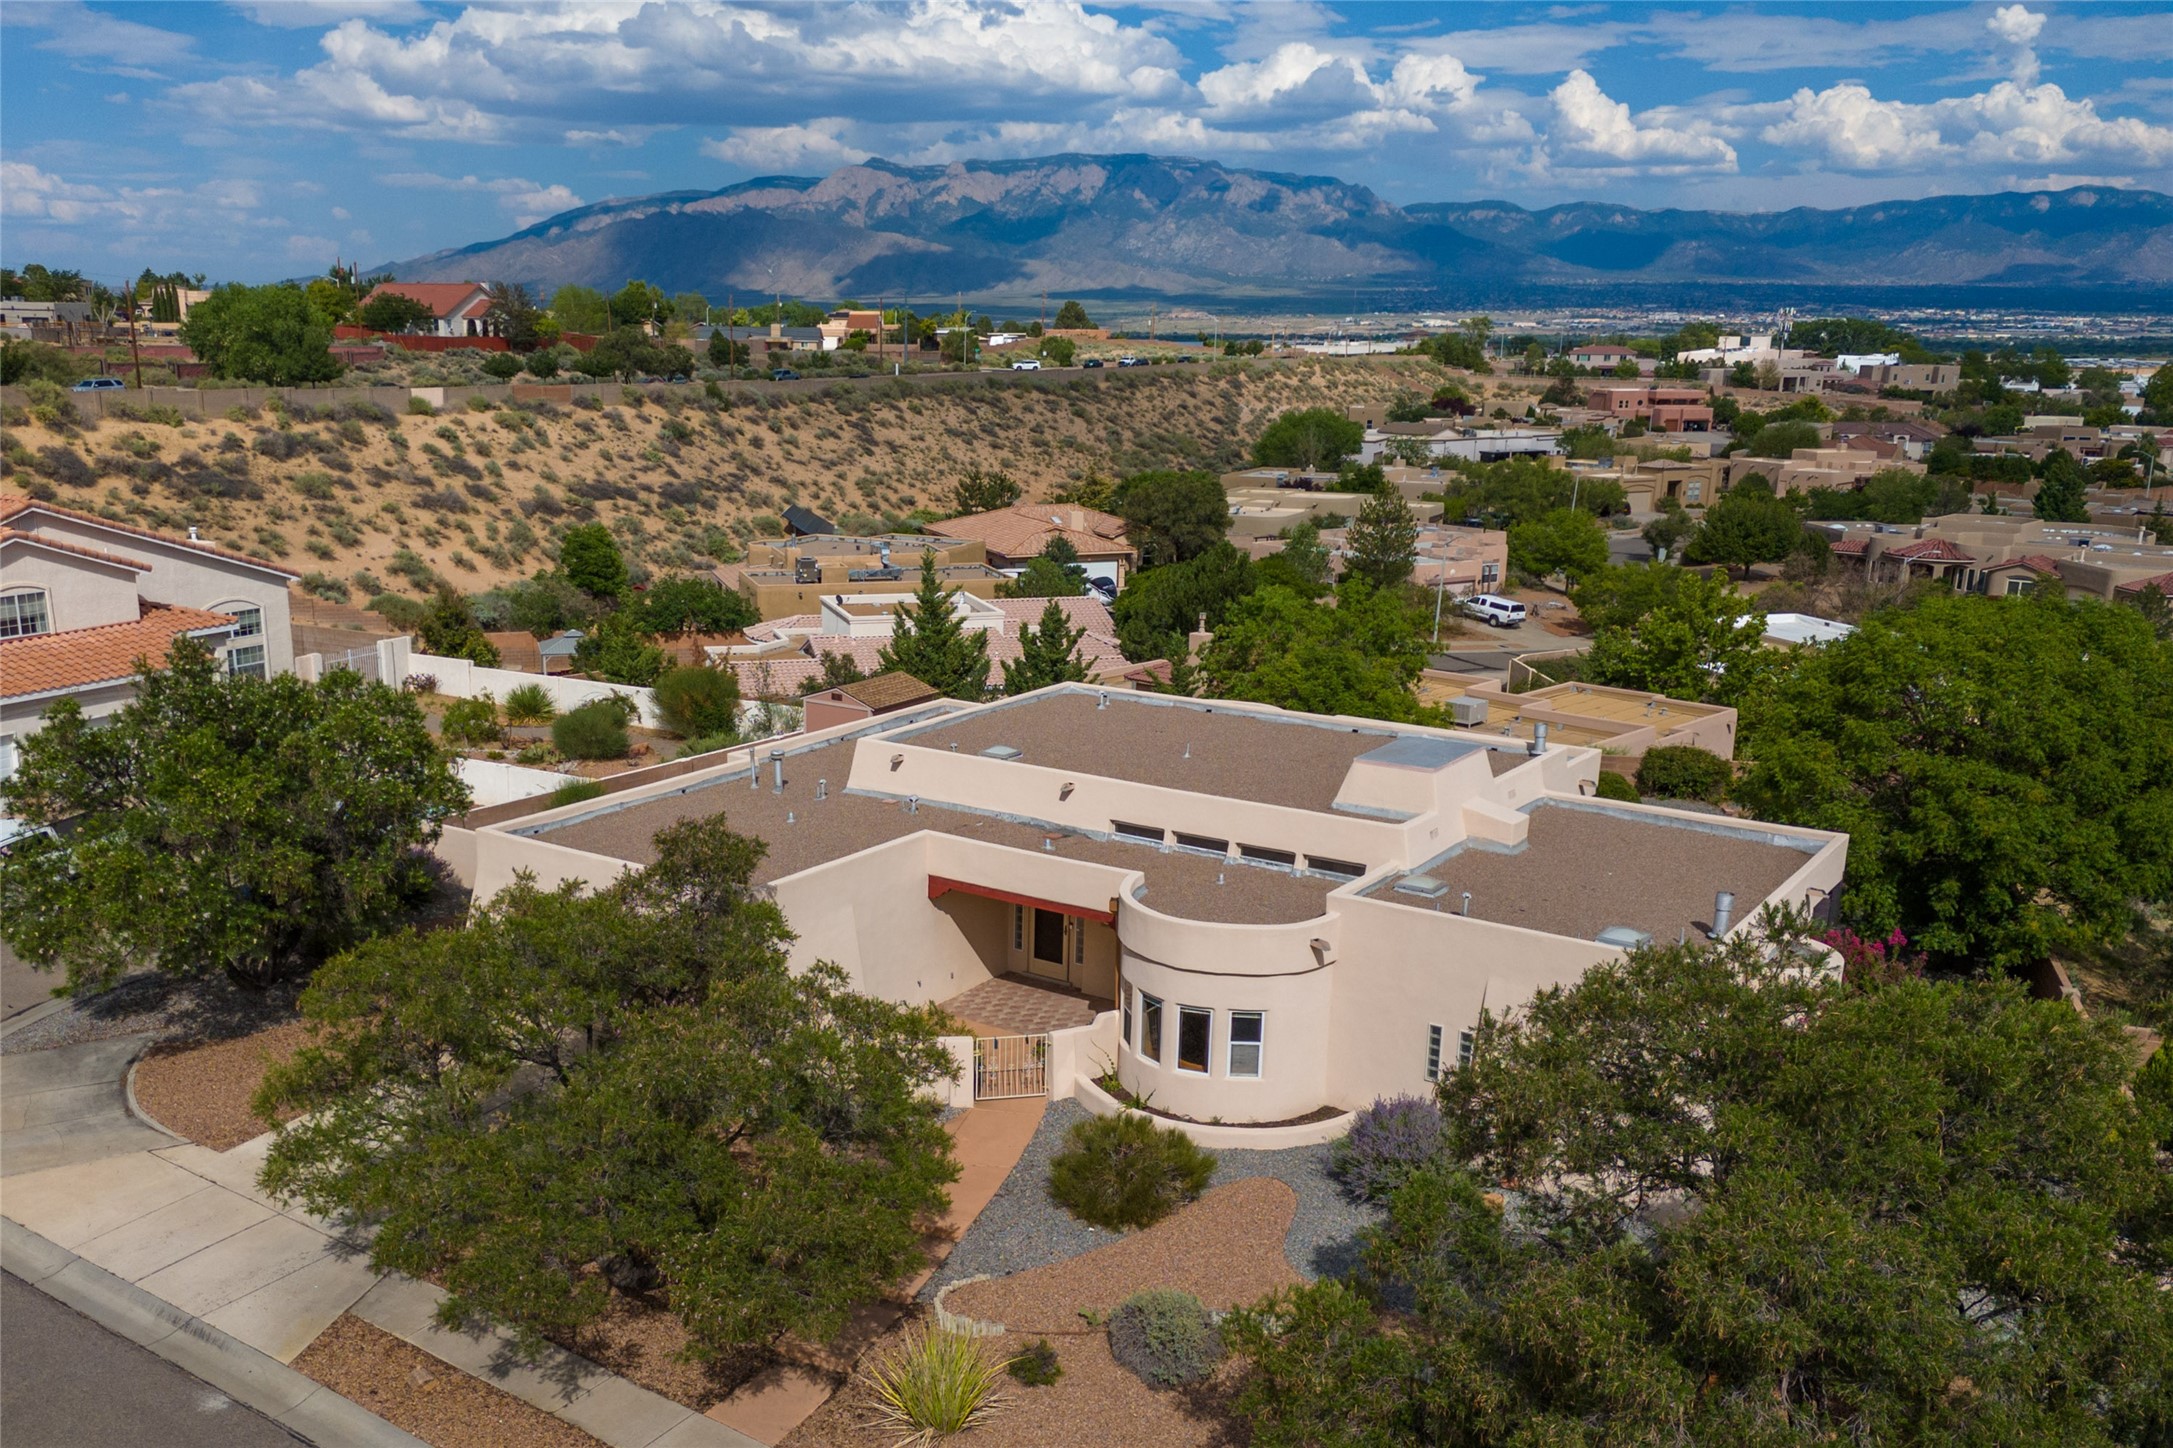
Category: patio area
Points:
column 1020, row 1005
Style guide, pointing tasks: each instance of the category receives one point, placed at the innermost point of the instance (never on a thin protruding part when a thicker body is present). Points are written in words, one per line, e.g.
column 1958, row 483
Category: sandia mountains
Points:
column 1080, row 225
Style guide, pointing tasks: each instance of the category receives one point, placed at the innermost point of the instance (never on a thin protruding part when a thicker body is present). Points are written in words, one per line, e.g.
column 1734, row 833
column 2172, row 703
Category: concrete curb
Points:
column 297, row 1403
column 135, row 1108
column 30, row 1015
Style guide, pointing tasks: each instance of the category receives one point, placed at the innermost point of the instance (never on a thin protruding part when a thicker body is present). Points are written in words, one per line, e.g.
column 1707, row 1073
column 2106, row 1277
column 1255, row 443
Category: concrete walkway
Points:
column 69, row 1105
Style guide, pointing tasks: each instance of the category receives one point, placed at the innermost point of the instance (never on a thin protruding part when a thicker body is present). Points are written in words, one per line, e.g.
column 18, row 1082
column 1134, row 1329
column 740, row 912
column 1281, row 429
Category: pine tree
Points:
column 1048, row 655
column 2060, row 494
column 1383, row 540
column 932, row 645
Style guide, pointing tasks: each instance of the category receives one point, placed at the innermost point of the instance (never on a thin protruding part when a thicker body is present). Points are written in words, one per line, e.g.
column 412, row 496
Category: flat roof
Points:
column 1192, row 886
column 1585, row 867
column 1592, row 704
column 1170, row 743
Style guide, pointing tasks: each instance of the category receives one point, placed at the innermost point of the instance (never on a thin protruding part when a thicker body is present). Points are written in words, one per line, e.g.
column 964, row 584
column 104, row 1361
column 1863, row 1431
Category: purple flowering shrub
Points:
column 1387, row 1141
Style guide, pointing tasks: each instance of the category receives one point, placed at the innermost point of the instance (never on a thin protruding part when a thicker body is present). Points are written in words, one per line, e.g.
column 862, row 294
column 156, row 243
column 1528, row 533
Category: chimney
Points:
column 1539, row 739
column 777, row 771
column 1078, row 520
column 1723, row 913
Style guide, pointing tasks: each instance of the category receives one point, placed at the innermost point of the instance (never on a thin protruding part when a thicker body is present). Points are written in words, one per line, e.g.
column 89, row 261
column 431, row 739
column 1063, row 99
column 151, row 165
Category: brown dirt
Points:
column 450, row 1410
column 202, row 1092
column 1227, row 1248
column 640, row 1341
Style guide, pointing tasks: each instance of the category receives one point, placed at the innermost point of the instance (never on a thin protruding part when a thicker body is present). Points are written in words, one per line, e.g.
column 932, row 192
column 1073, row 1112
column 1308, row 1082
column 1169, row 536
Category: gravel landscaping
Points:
column 427, row 1397
column 210, row 1008
column 1021, row 1228
column 202, row 1092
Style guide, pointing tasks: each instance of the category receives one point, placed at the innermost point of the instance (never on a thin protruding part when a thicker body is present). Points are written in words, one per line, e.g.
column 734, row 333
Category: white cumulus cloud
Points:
column 527, row 202
column 1593, row 129
column 820, row 142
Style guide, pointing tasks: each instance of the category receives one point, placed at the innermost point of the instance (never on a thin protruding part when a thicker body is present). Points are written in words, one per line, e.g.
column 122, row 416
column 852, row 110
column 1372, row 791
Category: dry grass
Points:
column 448, row 1408
column 202, row 1092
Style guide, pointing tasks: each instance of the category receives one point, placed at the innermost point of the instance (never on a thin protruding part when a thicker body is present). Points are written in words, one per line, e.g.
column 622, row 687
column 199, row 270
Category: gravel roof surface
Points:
column 1584, row 869
column 1021, row 1228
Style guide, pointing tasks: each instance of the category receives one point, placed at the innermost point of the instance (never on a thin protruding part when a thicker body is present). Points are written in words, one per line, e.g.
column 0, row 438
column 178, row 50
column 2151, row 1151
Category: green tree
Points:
column 1072, row 317
column 514, row 315
column 1313, row 438
column 221, row 823
column 637, row 304
column 1569, row 541
column 580, row 309
column 698, row 702
column 393, row 312
column 1359, row 657
column 1781, row 439
column 1383, row 540
column 1698, row 1255
column 618, row 650
column 1055, row 573
column 1061, row 351
column 1747, row 526
column 929, row 642
column 2158, row 394
column 1047, row 655
column 726, row 353
column 1666, row 534
column 2004, row 768
column 1672, row 631
column 627, row 1090
column 1302, row 565
column 627, row 353
column 265, row 334
column 502, row 365
column 980, row 492
column 838, row 670
column 689, row 604
column 1172, row 516
column 2060, row 492
column 1160, row 607
column 690, row 308
column 449, row 631
column 589, row 557
column 1518, row 490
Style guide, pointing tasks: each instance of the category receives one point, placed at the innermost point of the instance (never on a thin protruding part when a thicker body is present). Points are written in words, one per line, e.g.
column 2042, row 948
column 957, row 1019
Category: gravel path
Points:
column 1021, row 1228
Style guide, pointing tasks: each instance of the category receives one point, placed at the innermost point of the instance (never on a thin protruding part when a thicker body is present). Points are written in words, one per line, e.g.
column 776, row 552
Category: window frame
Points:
column 1434, row 1038
column 1259, row 1045
column 15, row 599
column 240, row 666
column 1127, row 1004
column 1207, row 1050
column 1201, row 844
column 1150, row 1014
column 1018, row 927
column 1467, row 1044
column 248, row 619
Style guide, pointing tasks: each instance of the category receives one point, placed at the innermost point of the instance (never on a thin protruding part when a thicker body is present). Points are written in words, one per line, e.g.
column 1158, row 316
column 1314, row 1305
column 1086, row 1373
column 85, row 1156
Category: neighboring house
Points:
column 456, row 308
column 1256, row 916
column 1663, row 409
column 82, row 598
column 786, row 577
column 1015, row 536
column 1601, row 355
column 2005, row 554
column 852, row 703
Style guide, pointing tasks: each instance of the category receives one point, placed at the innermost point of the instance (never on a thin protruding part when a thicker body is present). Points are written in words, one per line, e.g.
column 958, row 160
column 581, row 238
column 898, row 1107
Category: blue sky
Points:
column 260, row 140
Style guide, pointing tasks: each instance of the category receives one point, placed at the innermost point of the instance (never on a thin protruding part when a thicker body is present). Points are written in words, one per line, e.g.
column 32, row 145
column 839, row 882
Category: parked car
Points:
column 1093, row 362
column 1131, row 361
column 1026, row 364
column 1494, row 609
column 98, row 384
column 784, row 374
column 1103, row 589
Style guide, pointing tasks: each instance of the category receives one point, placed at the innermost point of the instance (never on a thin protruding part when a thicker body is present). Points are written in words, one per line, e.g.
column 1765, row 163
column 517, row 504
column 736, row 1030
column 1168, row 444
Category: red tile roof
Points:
column 2035, row 562
column 1024, row 529
column 2163, row 582
column 61, row 545
column 79, row 657
column 1849, row 547
column 15, row 505
column 444, row 299
column 894, row 690
column 1931, row 550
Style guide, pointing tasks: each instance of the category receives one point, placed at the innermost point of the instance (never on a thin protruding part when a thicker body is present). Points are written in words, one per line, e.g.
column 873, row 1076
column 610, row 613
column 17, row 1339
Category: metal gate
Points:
column 1007, row 1066
column 362, row 661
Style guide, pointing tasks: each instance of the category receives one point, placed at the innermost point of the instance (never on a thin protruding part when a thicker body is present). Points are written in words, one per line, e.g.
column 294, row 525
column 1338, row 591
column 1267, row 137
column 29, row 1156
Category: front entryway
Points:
column 1050, row 938
column 1010, row 1066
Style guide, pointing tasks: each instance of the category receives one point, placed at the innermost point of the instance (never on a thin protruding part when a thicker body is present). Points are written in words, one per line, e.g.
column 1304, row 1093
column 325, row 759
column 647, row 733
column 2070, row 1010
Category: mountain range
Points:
column 1137, row 226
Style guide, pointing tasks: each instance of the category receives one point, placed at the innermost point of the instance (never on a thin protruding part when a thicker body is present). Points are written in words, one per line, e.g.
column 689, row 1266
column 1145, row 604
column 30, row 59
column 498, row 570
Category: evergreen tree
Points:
column 1047, row 655
column 1072, row 317
column 932, row 645
column 449, row 630
column 2060, row 494
column 1383, row 540
column 1055, row 574
column 589, row 557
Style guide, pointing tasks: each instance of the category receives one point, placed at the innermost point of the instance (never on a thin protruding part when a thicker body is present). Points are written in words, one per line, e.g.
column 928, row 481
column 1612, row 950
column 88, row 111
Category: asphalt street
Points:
column 66, row 1382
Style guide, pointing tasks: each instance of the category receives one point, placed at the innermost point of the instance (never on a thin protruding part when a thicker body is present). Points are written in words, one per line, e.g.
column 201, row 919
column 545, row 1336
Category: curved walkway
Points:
column 70, row 1105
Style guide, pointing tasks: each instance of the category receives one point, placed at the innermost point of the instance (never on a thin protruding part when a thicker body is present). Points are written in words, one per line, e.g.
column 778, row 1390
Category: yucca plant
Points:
column 935, row 1384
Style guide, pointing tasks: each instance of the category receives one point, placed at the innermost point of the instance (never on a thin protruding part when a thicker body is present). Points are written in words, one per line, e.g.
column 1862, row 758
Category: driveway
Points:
column 20, row 986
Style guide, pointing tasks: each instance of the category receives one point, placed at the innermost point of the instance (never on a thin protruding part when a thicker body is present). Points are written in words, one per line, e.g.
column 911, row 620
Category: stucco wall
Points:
column 79, row 592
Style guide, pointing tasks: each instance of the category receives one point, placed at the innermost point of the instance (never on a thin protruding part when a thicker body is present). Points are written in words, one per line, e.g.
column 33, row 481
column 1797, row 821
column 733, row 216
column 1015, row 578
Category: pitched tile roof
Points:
column 15, row 505
column 1024, row 529
column 784, row 675
column 1849, row 547
column 893, row 690
column 79, row 657
column 62, row 545
column 2035, row 562
column 2163, row 582
column 1931, row 550
column 444, row 299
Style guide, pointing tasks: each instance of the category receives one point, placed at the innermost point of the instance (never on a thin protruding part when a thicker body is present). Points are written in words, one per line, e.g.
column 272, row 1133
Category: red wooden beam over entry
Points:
column 941, row 885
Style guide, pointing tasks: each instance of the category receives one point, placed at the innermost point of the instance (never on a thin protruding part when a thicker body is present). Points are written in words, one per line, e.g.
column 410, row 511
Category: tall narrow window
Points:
column 1018, row 927
column 246, row 662
column 1078, row 942
column 1433, row 1053
column 23, row 614
column 1195, row 1032
column 1246, row 1031
column 1465, row 1040
column 1150, row 1027
column 1127, row 1010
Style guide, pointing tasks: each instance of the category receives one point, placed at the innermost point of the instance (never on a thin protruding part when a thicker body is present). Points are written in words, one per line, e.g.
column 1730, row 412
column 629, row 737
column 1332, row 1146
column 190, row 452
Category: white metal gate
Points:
column 362, row 661
column 1007, row 1066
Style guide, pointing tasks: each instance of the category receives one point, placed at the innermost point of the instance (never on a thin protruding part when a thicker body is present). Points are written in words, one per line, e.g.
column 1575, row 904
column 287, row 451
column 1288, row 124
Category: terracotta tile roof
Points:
column 2163, row 582
column 1085, row 612
column 15, row 505
column 1849, row 547
column 1024, row 529
column 61, row 545
column 893, row 690
column 444, row 299
column 2035, row 562
column 1931, row 550
column 79, row 657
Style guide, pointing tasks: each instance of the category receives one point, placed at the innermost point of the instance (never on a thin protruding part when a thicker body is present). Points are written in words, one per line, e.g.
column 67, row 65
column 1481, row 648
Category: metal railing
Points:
column 1009, row 1066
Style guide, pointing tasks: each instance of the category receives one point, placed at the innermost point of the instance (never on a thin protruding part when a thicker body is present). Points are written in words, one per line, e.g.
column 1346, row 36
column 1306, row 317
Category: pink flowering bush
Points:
column 1874, row 960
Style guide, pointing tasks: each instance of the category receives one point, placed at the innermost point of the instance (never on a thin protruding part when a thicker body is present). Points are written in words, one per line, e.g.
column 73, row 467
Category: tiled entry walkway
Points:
column 1018, row 1005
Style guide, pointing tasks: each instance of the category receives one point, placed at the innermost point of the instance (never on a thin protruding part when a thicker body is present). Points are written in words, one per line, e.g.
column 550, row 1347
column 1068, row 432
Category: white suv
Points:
column 1026, row 364
column 1496, row 610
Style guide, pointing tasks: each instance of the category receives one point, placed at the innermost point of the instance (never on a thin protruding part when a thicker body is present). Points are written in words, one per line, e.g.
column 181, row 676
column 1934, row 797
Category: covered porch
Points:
column 1024, row 1005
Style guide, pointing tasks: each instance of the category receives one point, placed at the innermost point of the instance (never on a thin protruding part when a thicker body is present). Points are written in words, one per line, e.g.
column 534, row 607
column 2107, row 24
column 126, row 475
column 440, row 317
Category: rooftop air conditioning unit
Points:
column 1426, row 887
column 806, row 570
column 1003, row 751
column 1624, row 937
column 1467, row 710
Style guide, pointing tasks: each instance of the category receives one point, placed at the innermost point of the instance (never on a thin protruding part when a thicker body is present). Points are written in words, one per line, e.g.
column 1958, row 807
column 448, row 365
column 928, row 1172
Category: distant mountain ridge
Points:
column 1138, row 225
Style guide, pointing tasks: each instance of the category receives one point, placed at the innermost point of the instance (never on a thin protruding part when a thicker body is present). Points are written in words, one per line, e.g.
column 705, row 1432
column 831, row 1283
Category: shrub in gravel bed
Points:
column 1123, row 1171
column 1165, row 1337
column 1386, row 1143
column 936, row 1384
column 1037, row 1366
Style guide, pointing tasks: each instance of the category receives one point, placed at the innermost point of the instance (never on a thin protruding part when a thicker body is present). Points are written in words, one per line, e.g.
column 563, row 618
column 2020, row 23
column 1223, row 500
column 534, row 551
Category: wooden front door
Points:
column 1048, row 953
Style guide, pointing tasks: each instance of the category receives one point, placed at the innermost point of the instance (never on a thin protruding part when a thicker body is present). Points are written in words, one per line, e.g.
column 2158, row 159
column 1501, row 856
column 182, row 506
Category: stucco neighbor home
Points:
column 1257, row 919
column 83, row 597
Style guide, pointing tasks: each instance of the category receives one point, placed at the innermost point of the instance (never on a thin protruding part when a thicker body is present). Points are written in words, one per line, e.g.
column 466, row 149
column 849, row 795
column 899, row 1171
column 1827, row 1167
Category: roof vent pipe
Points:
column 754, row 771
column 1539, row 739
column 1465, row 908
column 1105, row 700
column 777, row 771
column 912, row 804
column 822, row 789
column 1723, row 913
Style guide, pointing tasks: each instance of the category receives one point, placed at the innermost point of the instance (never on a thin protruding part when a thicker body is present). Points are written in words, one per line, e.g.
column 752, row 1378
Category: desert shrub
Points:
column 576, row 792
column 471, row 721
column 1616, row 786
column 281, row 446
column 538, row 753
column 596, row 730
column 65, row 465
column 420, row 683
column 696, row 701
column 1684, row 771
column 935, row 1384
column 1036, row 1366
column 401, row 612
column 708, row 744
column 1165, row 1337
column 367, row 581
column 529, row 704
column 314, row 485
column 1387, row 1141
column 325, row 586
column 420, row 407
column 1124, row 1171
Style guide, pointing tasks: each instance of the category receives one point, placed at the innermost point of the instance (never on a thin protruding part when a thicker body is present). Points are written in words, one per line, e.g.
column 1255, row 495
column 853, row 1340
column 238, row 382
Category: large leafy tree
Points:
column 580, row 309
column 1312, row 438
column 1072, row 317
column 1687, row 635
column 1359, row 657
column 1568, row 541
column 1161, row 606
column 221, row 823
column 929, row 641
column 1048, row 654
column 626, row 1090
column 1517, row 490
column 394, row 312
column 1301, row 565
column 265, row 334
column 1748, row 525
column 449, row 630
column 1752, row 1206
column 685, row 603
column 1171, row 517
column 589, row 557
column 514, row 315
column 2004, row 769
column 1383, row 540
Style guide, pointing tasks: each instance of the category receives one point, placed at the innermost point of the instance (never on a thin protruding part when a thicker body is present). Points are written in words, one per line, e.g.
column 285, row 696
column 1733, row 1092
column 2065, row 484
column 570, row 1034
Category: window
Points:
column 1206, row 844
column 248, row 619
column 1321, row 865
column 1263, row 855
column 7, row 757
column 1078, row 942
column 1433, row 1053
column 2020, row 585
column 1246, row 1030
column 246, row 662
column 22, row 614
column 1127, row 1015
column 1195, row 1031
column 1125, row 829
column 1465, row 1040
column 1150, row 1027
column 1018, row 927
column 1693, row 492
